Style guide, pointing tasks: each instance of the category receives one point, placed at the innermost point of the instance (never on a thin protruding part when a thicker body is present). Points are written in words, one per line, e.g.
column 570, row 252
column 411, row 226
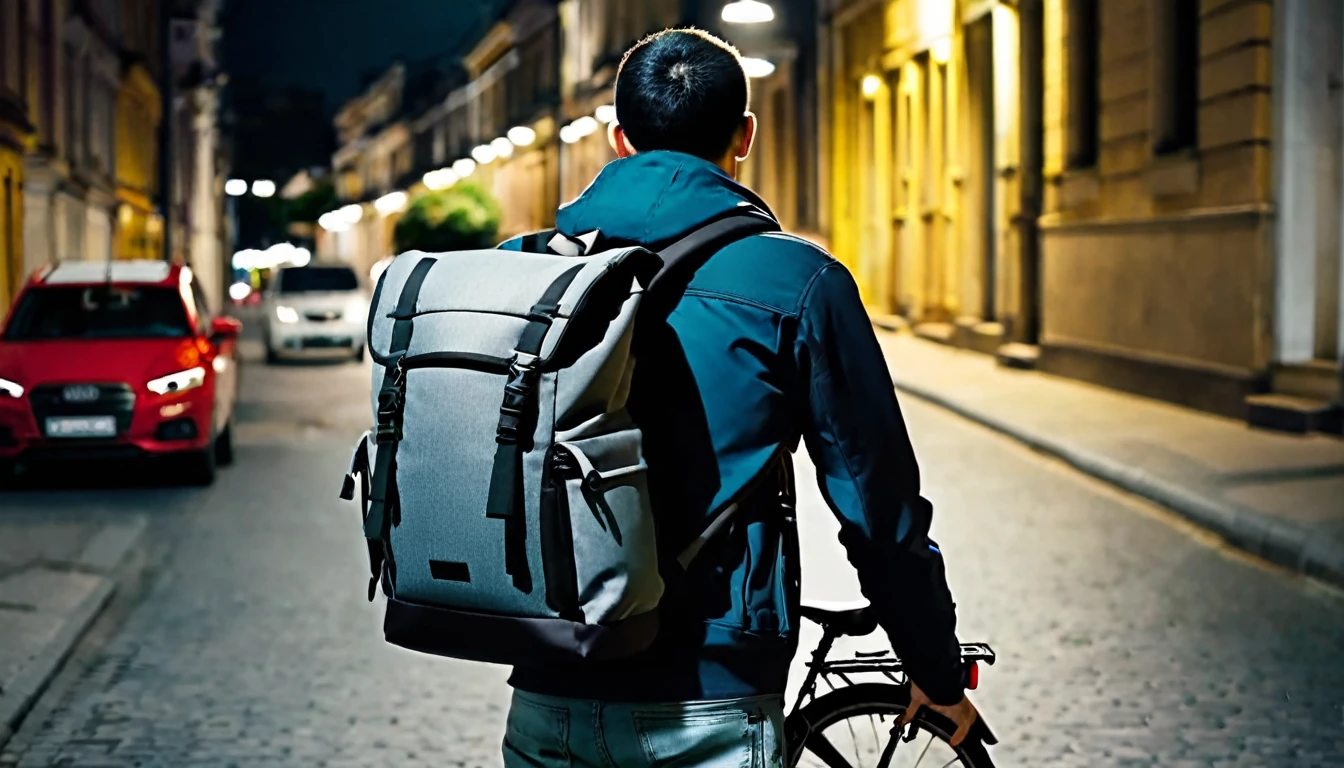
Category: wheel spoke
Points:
column 926, row 751
column 854, row 739
column 952, row 762
column 819, row 745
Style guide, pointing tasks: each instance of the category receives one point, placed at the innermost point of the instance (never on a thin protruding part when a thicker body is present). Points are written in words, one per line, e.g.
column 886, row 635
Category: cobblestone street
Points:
column 1125, row 636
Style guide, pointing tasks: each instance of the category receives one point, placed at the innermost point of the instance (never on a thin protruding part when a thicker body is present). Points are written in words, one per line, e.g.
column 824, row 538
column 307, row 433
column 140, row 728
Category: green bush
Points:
column 461, row 217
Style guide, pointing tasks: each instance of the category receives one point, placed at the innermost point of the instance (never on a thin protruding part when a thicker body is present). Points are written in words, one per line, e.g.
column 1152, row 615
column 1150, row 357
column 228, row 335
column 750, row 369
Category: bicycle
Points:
column 813, row 715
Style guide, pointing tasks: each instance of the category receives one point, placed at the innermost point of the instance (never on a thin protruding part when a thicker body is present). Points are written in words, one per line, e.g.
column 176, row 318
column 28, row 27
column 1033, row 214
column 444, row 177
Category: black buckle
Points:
column 517, row 405
column 389, row 416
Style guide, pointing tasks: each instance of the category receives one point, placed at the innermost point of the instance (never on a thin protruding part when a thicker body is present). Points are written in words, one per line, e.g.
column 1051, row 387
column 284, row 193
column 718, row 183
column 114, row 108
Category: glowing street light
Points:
column 941, row 50
column 748, row 12
column 235, row 187
column 757, row 68
column 390, row 203
column 484, row 154
column 263, row 188
column 584, row 126
column 569, row 135
column 606, row 114
column 870, row 86
column 522, row 136
column 440, row 179
column 332, row 222
column 464, row 167
column 502, row 147
column 351, row 213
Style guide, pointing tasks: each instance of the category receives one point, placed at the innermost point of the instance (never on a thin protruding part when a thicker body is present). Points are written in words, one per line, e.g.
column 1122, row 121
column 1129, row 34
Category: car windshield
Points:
column 317, row 279
column 101, row 312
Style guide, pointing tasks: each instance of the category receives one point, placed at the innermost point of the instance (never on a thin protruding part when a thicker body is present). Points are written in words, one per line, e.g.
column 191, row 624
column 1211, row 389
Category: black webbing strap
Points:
column 391, row 397
column 536, row 242
column 690, row 252
column 516, row 422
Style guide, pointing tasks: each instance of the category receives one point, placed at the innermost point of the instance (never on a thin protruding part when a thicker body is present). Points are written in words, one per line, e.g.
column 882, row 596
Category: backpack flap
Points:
column 464, row 305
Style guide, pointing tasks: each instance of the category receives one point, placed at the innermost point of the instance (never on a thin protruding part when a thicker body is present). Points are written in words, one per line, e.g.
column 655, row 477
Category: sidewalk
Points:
column 56, row 575
column 1277, row 496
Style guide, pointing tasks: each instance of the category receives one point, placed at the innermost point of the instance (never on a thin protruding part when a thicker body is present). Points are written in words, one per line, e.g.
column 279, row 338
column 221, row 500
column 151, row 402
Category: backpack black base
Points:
column 506, row 639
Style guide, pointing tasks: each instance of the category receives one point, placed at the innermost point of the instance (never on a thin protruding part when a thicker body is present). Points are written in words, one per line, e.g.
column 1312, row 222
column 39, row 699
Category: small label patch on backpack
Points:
column 447, row 570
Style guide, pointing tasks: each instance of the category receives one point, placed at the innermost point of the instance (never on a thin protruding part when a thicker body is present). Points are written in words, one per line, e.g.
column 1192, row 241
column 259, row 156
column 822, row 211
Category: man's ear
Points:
column 744, row 144
column 619, row 143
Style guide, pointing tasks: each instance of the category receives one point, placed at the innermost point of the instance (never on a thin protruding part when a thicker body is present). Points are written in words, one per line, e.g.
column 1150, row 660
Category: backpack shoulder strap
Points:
column 684, row 256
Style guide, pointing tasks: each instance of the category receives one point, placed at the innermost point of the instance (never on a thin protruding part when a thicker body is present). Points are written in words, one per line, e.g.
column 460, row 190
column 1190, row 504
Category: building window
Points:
column 1084, row 42
column 1175, row 75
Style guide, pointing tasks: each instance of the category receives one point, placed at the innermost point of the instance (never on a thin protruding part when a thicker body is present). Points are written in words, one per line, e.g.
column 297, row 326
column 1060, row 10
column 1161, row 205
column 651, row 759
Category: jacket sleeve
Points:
column 867, row 472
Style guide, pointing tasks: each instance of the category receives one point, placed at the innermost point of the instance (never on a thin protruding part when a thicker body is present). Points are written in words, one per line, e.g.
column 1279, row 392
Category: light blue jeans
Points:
column 552, row 732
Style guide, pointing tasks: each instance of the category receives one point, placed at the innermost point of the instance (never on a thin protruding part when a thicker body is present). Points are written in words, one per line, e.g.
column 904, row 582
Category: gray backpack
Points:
column 504, row 495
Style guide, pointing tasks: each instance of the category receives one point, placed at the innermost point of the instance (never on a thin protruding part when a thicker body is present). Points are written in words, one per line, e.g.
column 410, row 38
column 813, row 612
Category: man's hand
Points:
column 962, row 713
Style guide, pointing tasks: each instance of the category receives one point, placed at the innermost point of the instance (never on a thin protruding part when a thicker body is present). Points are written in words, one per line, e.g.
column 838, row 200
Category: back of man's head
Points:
column 682, row 90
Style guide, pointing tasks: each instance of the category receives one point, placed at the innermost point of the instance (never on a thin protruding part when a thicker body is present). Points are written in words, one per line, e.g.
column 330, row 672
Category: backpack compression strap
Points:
column 516, row 423
column 391, row 399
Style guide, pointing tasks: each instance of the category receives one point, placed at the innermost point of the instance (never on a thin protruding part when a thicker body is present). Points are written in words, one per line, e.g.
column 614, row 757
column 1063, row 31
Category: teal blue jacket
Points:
column 769, row 344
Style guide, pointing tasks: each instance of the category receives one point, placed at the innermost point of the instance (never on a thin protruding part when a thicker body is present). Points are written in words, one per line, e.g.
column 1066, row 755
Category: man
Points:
column 768, row 343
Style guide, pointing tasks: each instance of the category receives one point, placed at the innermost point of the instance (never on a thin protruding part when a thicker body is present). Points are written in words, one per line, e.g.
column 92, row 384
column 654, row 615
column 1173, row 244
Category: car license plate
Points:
column 82, row 426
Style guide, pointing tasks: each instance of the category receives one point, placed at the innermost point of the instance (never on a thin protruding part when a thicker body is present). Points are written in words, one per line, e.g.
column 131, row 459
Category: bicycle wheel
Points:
column 851, row 728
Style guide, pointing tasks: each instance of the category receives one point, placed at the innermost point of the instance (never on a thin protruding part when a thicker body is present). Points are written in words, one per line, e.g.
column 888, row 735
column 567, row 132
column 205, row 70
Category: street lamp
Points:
column 464, row 167
column 502, row 147
column 584, row 126
column 522, row 136
column 484, row 154
column 390, row 203
column 440, row 179
column 351, row 213
column 235, row 187
column 606, row 114
column 757, row 68
column 263, row 188
column 569, row 135
column 870, row 86
column 748, row 12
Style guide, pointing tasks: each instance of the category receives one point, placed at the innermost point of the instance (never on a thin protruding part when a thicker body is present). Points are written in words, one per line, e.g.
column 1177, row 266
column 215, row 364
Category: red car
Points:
column 117, row 360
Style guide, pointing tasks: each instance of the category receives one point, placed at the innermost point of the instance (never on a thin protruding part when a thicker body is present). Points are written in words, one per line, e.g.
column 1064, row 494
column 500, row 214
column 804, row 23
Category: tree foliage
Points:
column 461, row 217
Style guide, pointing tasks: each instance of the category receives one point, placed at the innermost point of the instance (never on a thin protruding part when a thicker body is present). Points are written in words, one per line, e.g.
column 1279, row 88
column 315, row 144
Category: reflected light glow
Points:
column 239, row 291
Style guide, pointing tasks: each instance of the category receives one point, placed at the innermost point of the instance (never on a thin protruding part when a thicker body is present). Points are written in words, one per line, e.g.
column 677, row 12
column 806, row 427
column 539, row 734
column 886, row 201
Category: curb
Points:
column 22, row 692
column 104, row 556
column 1277, row 541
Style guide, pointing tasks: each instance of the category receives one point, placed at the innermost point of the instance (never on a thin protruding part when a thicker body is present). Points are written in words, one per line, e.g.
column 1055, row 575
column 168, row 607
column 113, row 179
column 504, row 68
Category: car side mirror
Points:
column 225, row 328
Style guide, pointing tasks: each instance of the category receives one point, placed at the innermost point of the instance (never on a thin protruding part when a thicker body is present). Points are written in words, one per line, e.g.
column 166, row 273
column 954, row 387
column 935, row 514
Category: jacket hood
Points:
column 652, row 197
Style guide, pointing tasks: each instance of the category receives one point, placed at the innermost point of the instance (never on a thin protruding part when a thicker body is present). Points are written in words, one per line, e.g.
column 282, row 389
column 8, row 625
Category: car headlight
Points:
column 12, row 388
column 178, row 382
column 286, row 314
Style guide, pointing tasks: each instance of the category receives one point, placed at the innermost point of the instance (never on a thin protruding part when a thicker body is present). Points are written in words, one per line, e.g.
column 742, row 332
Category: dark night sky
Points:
column 328, row 44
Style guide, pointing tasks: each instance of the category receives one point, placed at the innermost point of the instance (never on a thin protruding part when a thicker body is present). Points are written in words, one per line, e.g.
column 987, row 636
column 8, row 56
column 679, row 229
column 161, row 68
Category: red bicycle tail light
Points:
column 973, row 677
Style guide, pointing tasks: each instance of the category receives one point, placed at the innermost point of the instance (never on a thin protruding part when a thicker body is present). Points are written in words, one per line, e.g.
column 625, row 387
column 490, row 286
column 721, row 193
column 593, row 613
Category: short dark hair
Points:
column 682, row 90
